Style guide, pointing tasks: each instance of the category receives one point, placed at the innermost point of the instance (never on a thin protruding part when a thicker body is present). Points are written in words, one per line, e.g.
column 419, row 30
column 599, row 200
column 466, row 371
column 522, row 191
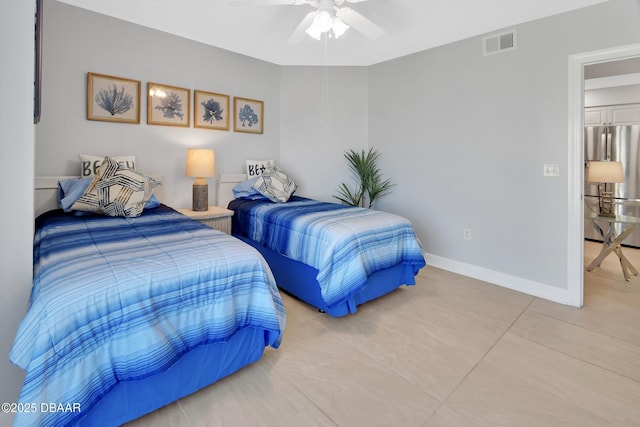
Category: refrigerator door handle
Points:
column 607, row 147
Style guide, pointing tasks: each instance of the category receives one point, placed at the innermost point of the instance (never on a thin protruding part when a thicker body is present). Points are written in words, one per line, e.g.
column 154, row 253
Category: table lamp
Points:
column 603, row 172
column 200, row 165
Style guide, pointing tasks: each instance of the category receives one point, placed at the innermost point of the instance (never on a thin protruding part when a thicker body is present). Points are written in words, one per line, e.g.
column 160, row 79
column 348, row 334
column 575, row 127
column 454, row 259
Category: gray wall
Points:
column 324, row 112
column 16, row 191
column 465, row 137
column 78, row 41
column 310, row 112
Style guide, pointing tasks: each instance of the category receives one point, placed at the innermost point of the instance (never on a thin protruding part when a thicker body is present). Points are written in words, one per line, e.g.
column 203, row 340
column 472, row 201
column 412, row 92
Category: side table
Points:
column 216, row 217
column 612, row 241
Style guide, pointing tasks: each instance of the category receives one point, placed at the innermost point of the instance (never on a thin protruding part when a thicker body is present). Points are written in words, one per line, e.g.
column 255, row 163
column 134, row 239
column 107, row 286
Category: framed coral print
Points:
column 168, row 105
column 211, row 110
column 248, row 115
column 113, row 99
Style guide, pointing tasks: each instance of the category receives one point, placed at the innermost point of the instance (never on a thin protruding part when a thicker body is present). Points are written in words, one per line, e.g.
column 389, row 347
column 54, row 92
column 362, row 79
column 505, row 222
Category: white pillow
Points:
column 116, row 191
column 89, row 164
column 256, row 167
column 276, row 185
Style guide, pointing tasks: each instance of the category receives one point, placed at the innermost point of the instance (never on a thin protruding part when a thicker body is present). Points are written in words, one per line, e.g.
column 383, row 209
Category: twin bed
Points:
column 333, row 257
column 129, row 314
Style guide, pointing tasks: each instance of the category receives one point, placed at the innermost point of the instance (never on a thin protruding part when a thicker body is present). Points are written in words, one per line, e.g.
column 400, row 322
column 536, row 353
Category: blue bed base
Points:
column 196, row 369
column 299, row 280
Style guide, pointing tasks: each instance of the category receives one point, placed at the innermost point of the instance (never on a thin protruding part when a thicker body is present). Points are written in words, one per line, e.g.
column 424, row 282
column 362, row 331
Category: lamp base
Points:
column 200, row 197
column 605, row 203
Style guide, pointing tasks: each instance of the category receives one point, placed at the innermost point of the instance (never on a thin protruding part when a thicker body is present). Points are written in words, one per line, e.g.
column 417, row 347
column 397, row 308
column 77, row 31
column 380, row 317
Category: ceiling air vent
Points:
column 498, row 43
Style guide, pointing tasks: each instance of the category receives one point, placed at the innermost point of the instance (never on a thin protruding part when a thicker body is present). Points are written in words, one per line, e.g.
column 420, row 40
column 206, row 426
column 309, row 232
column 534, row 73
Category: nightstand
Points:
column 216, row 217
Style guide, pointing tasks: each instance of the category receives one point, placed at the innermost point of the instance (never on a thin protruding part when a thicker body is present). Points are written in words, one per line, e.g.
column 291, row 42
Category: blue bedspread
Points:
column 345, row 244
column 118, row 299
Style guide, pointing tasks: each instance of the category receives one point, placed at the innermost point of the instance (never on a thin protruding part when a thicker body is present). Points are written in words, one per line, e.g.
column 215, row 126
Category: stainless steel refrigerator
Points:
column 622, row 144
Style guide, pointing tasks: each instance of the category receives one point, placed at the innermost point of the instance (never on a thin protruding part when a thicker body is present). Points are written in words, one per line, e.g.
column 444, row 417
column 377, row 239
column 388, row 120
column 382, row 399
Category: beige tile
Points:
column 427, row 344
column 447, row 417
column 169, row 416
column 611, row 304
column 492, row 398
column 491, row 304
column 253, row 396
column 297, row 311
column 615, row 316
column 612, row 295
column 523, row 382
column 346, row 384
column 595, row 348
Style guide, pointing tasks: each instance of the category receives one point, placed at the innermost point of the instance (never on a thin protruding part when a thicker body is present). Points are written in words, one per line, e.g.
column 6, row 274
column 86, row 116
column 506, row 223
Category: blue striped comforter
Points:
column 116, row 299
column 345, row 244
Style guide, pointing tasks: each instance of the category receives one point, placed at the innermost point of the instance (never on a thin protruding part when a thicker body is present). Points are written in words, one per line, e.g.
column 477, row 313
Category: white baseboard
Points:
column 527, row 286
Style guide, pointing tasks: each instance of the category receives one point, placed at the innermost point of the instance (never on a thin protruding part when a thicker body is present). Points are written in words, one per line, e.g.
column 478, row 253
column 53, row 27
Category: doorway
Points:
column 575, row 173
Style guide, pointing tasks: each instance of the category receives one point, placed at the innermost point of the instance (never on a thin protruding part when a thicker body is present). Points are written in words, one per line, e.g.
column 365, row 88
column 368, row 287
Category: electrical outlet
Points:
column 466, row 234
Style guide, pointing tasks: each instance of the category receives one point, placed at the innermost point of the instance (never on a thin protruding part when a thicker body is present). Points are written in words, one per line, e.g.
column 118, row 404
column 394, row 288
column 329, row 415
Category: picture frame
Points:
column 168, row 105
column 37, row 80
column 113, row 99
column 210, row 110
column 248, row 115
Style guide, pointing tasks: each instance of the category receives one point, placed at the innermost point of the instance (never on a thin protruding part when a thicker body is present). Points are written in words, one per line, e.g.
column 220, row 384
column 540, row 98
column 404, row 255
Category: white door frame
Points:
column 575, row 170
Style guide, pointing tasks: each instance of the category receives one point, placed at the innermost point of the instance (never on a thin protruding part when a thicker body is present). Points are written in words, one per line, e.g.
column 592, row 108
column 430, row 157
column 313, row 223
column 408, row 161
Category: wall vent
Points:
column 498, row 43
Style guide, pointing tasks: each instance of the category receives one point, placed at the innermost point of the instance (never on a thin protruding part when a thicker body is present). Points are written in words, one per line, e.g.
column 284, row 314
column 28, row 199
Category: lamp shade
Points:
column 200, row 162
column 599, row 171
column 326, row 20
column 339, row 27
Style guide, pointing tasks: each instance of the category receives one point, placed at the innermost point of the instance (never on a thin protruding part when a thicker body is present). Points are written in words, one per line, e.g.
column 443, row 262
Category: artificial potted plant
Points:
column 369, row 183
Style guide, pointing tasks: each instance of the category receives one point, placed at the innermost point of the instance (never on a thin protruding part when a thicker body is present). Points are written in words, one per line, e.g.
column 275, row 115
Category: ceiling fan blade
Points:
column 360, row 23
column 299, row 33
column 266, row 2
column 339, row 2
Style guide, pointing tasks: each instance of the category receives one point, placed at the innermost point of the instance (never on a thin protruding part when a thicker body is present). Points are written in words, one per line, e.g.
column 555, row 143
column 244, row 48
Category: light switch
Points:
column 551, row 169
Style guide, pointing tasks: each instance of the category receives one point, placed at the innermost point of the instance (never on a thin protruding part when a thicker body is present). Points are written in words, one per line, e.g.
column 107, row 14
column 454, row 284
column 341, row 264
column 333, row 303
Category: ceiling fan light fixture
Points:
column 321, row 24
column 323, row 21
column 313, row 31
column 338, row 27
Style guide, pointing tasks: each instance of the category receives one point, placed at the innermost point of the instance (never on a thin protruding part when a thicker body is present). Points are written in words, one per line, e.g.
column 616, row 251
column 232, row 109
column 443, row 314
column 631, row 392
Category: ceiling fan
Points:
column 328, row 19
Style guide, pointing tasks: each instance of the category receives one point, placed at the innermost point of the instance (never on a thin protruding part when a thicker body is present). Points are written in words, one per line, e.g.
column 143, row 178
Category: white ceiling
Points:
column 262, row 31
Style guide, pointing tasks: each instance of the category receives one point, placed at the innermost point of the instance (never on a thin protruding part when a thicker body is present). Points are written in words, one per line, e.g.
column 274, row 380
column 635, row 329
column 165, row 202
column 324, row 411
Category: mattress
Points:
column 345, row 244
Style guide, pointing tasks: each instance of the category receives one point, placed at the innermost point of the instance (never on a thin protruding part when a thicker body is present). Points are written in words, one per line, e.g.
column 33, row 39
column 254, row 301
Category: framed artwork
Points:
column 113, row 99
column 168, row 105
column 248, row 115
column 211, row 110
column 37, row 81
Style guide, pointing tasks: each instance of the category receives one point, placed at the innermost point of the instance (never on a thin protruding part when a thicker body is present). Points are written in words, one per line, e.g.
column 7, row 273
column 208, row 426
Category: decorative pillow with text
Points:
column 256, row 167
column 89, row 164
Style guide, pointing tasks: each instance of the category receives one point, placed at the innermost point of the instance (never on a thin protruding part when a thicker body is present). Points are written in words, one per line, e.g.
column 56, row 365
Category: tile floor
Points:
column 451, row 351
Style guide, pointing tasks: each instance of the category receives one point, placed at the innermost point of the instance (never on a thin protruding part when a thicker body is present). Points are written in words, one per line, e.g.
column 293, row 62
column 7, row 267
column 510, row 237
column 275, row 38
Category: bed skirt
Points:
column 196, row 369
column 299, row 280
